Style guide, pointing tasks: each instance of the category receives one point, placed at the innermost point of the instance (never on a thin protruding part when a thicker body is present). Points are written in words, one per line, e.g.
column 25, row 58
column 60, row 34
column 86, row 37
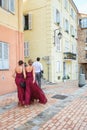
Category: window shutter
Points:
column 57, row 41
column 5, row 4
column 57, row 16
column 26, row 49
column 23, row 22
column 6, row 56
column 12, row 6
column 30, row 21
column 1, row 65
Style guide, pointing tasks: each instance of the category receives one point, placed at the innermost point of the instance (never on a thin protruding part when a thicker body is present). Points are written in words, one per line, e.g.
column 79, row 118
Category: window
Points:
column 67, row 46
column 83, row 23
column 57, row 43
column 72, row 13
column 75, row 33
column 66, row 4
column 26, row 49
column 72, row 31
column 66, row 26
column 4, row 56
column 74, row 48
column 56, row 16
column 28, row 22
column 8, row 5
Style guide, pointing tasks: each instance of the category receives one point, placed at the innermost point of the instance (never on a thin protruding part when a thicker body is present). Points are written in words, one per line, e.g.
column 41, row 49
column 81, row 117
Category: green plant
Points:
column 66, row 77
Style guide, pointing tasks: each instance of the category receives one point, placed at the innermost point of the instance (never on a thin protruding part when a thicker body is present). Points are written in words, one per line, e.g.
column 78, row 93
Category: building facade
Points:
column 82, row 44
column 11, row 42
column 44, row 22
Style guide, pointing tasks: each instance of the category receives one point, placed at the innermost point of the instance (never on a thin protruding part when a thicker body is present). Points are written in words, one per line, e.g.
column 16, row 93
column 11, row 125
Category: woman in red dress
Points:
column 33, row 91
column 20, row 76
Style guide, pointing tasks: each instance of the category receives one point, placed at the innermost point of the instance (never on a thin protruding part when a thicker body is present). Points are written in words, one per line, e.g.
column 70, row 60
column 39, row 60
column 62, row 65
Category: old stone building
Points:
column 82, row 43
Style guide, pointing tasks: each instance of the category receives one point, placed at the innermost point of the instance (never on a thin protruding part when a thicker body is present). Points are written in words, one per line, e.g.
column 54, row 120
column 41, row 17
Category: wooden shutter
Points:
column 5, row 56
column 26, row 49
column 1, row 65
column 30, row 21
column 5, row 4
column 57, row 16
column 23, row 22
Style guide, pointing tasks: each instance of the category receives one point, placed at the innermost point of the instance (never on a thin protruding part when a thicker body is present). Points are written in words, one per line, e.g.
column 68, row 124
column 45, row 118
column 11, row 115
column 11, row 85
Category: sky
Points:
column 81, row 5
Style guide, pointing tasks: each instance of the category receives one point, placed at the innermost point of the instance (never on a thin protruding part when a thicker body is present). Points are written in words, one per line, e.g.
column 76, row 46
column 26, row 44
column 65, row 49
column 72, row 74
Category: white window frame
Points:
column 26, row 49
column 4, row 56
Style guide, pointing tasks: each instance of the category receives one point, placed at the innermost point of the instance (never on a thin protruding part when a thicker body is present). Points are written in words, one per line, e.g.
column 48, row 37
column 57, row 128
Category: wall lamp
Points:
column 59, row 34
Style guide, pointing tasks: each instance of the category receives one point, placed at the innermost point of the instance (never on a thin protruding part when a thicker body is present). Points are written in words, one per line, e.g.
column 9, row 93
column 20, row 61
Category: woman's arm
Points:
column 33, row 75
column 24, row 73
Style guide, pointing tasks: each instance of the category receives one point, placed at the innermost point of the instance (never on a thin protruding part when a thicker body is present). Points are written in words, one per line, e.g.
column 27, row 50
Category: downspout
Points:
column 18, row 31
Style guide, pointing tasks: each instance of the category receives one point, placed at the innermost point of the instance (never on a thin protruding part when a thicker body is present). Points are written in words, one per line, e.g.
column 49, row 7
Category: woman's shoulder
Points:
column 18, row 69
column 29, row 68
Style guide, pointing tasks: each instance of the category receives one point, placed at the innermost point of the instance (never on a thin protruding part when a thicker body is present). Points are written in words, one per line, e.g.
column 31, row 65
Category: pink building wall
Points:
column 16, row 52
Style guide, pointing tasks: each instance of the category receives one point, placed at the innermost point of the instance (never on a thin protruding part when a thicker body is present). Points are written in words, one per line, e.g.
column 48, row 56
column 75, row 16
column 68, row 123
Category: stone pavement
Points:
column 66, row 109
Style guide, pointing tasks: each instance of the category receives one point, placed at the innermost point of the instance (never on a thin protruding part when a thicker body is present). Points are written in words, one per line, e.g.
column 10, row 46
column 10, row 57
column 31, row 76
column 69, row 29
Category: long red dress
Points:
column 33, row 91
column 19, row 78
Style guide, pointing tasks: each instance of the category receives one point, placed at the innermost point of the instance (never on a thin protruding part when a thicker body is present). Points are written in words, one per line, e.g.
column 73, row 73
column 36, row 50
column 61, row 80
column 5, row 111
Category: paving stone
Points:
column 68, row 113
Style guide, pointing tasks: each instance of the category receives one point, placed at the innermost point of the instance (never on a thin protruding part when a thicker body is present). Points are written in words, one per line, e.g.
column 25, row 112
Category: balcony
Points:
column 69, row 56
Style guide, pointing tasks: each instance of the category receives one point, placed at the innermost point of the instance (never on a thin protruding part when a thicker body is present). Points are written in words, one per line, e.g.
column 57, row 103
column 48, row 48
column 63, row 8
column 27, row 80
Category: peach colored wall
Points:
column 16, row 52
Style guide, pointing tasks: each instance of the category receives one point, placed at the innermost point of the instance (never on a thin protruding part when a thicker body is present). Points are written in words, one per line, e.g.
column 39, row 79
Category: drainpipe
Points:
column 18, row 30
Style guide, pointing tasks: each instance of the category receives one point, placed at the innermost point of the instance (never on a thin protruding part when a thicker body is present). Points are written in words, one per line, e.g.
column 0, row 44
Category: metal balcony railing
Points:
column 69, row 55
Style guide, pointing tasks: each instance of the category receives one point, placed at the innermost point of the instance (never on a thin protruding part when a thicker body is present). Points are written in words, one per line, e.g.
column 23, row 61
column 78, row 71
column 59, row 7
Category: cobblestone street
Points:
column 66, row 109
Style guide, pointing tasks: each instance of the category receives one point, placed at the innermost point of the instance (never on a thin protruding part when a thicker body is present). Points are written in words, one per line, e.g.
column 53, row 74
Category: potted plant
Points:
column 64, row 78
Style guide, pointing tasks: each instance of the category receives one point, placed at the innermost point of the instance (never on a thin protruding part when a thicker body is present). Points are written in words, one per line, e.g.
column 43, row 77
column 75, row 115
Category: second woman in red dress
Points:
column 33, row 91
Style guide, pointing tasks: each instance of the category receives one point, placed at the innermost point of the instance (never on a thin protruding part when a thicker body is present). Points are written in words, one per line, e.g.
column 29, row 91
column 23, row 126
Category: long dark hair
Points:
column 20, row 62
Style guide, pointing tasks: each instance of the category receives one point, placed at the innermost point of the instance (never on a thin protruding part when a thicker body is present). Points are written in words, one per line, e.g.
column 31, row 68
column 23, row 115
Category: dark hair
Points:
column 20, row 62
column 25, row 64
column 38, row 58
